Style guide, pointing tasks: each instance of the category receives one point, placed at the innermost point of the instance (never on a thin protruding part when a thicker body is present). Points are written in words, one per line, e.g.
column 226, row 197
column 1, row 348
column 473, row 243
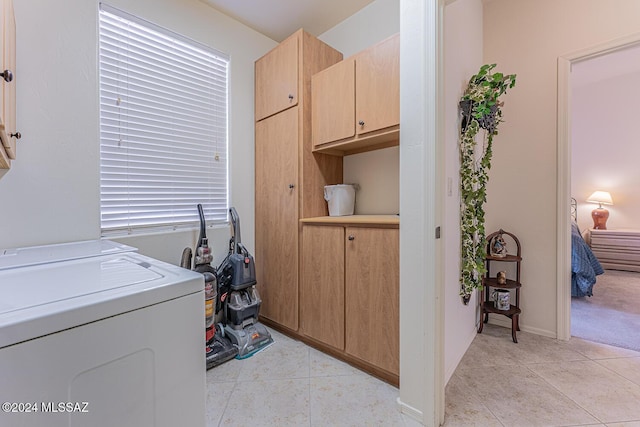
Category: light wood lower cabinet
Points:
column 372, row 322
column 322, row 286
column 350, row 293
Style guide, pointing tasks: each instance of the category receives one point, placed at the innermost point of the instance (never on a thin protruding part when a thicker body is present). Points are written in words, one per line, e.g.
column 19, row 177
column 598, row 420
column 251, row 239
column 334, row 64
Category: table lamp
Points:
column 600, row 214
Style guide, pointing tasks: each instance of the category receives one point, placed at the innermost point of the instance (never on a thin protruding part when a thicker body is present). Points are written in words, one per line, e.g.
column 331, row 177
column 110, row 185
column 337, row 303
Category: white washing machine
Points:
column 94, row 334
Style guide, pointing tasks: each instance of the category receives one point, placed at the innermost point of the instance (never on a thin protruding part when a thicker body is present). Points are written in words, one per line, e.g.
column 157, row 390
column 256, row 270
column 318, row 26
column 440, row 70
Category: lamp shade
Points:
column 601, row 197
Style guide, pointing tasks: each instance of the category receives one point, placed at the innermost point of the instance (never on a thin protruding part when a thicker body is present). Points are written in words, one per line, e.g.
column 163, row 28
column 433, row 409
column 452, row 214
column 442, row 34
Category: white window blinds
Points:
column 163, row 126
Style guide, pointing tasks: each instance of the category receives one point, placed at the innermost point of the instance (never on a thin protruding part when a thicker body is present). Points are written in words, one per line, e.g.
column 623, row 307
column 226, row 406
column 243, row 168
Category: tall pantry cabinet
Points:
column 290, row 179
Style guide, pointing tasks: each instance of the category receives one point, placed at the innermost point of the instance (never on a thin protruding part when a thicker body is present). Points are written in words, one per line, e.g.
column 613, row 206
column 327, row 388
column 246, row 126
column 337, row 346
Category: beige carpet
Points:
column 612, row 315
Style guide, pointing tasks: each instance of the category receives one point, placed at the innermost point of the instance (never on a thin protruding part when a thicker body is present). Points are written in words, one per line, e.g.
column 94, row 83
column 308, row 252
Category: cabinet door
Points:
column 5, row 163
column 277, row 79
column 9, row 88
column 378, row 86
column 277, row 217
column 372, row 321
column 322, row 286
column 333, row 103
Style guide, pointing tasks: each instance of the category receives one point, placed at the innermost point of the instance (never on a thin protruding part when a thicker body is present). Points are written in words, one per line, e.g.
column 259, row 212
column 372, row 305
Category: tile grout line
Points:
column 615, row 372
column 226, row 405
column 480, row 401
column 585, row 356
column 637, row 355
column 564, row 394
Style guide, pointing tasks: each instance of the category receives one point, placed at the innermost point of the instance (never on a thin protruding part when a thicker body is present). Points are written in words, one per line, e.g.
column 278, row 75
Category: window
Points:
column 163, row 127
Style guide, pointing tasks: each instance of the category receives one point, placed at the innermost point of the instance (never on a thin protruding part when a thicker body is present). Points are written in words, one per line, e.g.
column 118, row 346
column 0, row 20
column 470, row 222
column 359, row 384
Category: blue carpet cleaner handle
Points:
column 244, row 272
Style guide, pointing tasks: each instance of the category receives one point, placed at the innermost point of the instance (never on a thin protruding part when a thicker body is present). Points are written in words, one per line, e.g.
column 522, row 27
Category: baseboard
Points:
column 410, row 411
column 507, row 324
column 376, row 371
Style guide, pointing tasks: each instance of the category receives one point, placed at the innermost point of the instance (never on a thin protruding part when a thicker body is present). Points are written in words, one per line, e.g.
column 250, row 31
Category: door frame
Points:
column 563, row 221
column 421, row 203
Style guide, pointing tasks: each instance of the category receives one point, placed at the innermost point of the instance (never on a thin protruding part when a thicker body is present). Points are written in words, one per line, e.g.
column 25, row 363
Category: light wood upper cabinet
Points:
column 8, row 88
column 378, row 86
column 356, row 103
column 276, row 79
column 333, row 103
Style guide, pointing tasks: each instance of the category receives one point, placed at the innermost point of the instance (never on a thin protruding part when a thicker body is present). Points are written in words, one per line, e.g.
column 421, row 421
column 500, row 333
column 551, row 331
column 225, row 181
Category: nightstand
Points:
column 616, row 249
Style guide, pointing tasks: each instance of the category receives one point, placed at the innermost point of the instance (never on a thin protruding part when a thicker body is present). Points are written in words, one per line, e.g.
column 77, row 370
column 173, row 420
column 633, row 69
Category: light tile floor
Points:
column 543, row 382
column 291, row 384
column 537, row 382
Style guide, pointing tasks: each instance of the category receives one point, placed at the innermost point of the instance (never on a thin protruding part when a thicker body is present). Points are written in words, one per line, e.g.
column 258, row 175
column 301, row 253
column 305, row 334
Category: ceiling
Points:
column 278, row 19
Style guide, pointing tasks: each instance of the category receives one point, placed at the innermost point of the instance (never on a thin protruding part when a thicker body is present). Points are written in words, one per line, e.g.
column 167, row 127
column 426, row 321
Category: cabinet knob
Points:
column 352, row 237
column 361, row 122
column 7, row 75
column 16, row 135
column 290, row 97
column 291, row 186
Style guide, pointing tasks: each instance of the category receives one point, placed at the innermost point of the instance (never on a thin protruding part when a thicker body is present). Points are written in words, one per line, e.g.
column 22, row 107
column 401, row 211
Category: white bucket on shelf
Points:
column 341, row 199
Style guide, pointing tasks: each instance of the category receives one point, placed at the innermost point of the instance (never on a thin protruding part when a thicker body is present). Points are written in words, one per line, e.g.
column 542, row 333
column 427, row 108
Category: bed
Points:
column 584, row 264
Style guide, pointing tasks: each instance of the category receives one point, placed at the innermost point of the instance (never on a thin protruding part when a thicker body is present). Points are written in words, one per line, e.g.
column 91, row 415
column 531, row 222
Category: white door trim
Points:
column 421, row 205
column 563, row 239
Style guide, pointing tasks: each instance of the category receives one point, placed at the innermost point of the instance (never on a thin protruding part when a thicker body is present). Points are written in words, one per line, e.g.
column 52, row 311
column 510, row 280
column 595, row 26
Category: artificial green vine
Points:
column 480, row 110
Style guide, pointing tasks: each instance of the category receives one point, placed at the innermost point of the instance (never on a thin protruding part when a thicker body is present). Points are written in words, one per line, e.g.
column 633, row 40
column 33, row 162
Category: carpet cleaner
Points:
column 239, row 297
column 219, row 349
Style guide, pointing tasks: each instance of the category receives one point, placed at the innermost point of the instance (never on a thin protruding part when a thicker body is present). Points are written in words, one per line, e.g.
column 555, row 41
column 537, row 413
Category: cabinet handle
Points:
column 16, row 135
column 361, row 122
column 7, row 75
column 291, row 186
column 352, row 237
column 290, row 97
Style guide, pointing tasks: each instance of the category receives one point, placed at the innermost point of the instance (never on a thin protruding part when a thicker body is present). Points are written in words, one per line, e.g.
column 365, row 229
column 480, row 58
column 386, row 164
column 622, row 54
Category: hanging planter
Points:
column 480, row 110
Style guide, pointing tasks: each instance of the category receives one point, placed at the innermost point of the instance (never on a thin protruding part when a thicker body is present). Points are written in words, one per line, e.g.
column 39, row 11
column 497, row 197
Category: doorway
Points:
column 565, row 64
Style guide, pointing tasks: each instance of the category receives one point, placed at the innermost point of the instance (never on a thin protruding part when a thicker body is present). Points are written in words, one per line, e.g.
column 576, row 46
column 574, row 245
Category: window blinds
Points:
column 163, row 126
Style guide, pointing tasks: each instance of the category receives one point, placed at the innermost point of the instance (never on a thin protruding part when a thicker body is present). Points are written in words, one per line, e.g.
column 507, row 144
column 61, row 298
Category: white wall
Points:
column 375, row 22
column 605, row 148
column 377, row 172
column 51, row 193
column 526, row 37
column 379, row 178
column 462, row 59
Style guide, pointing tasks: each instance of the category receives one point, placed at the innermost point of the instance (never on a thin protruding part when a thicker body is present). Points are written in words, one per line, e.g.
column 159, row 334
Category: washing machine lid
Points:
column 35, row 255
column 40, row 298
